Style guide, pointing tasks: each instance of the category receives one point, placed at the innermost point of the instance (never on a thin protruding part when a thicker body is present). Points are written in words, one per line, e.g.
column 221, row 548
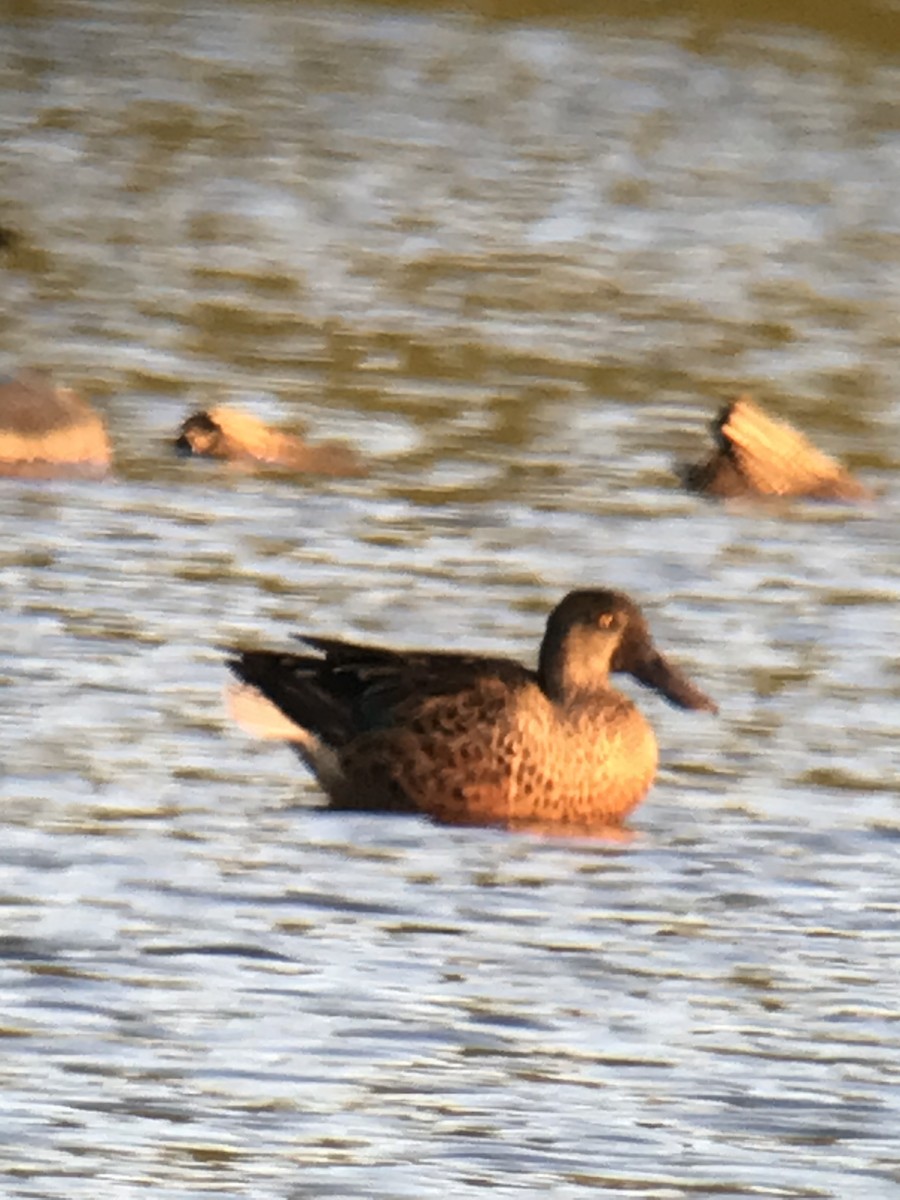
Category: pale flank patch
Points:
column 259, row 717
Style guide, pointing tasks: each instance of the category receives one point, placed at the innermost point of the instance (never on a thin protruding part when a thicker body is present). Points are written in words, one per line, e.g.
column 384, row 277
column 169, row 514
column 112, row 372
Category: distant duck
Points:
column 48, row 431
column 757, row 455
column 468, row 739
column 238, row 437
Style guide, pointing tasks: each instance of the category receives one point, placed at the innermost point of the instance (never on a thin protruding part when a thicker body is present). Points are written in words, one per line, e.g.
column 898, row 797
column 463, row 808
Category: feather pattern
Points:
column 478, row 739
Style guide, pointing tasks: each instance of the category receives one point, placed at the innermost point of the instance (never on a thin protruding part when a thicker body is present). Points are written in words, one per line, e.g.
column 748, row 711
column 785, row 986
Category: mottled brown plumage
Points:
column 48, row 431
column 469, row 739
column 228, row 433
column 759, row 456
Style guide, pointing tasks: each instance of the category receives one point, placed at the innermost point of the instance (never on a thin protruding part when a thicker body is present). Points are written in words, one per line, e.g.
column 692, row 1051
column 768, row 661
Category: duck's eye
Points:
column 605, row 620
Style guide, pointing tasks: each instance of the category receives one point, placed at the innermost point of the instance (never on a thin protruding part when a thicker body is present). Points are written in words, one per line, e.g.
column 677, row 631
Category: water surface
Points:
column 519, row 264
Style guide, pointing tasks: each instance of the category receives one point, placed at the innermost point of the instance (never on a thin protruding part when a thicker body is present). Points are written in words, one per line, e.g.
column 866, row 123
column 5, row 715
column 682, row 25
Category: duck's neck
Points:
column 575, row 666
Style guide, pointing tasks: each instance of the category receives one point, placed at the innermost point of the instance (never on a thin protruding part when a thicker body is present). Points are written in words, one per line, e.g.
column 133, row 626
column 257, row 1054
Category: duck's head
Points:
column 199, row 434
column 593, row 632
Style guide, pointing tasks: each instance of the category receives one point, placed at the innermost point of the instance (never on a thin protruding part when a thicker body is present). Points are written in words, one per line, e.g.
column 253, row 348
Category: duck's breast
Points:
column 588, row 764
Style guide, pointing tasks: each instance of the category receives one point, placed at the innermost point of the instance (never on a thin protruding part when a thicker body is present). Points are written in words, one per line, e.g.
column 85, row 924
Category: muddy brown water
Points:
column 518, row 263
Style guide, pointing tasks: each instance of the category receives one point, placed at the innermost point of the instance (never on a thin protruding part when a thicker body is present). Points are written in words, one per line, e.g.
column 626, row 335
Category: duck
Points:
column 237, row 436
column 471, row 740
column 48, row 431
column 757, row 455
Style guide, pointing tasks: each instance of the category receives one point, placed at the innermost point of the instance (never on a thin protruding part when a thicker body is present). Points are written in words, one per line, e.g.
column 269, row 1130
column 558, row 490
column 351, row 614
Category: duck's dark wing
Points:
column 348, row 689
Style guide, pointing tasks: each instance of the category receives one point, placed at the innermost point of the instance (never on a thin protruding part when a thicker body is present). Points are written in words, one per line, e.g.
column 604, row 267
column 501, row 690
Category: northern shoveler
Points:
column 48, row 431
column 474, row 740
column 229, row 433
column 759, row 456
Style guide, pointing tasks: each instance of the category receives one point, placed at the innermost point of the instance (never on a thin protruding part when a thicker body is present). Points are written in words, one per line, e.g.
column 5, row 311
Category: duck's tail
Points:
column 258, row 716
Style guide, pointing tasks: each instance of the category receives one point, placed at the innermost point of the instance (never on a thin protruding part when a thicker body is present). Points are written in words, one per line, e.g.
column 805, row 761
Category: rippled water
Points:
column 519, row 265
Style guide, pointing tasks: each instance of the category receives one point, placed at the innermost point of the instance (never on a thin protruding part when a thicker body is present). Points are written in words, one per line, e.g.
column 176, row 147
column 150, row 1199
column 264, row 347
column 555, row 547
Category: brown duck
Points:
column 472, row 740
column 236, row 436
column 759, row 456
column 48, row 431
